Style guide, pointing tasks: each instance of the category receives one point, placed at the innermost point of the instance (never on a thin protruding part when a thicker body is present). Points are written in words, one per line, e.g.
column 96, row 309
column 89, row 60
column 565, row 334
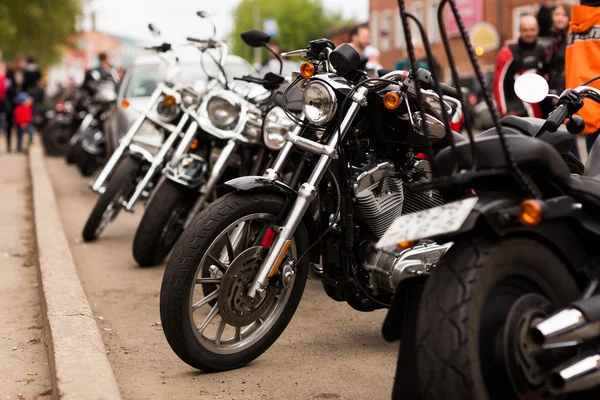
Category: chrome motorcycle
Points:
column 237, row 274
column 236, row 132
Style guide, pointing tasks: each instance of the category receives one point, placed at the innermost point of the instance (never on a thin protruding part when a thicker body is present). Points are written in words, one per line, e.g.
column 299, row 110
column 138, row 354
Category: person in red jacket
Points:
column 23, row 118
column 514, row 60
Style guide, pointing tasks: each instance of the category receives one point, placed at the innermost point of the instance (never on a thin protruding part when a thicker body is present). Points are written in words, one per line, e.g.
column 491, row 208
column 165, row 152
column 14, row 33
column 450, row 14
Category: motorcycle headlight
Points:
column 319, row 103
column 276, row 125
column 224, row 113
column 168, row 108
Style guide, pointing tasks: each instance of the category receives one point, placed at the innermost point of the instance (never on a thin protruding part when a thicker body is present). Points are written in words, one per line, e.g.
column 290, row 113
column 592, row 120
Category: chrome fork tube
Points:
column 118, row 153
column 156, row 162
column 216, row 173
column 284, row 154
column 306, row 194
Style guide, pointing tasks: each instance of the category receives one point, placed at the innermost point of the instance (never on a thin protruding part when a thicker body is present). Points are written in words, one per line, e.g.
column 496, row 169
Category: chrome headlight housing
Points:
column 224, row 111
column 276, row 125
column 319, row 103
column 168, row 108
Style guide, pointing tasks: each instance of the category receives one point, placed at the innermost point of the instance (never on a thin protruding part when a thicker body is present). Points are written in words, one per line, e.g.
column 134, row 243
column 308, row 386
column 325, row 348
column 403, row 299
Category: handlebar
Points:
column 556, row 119
column 448, row 90
column 163, row 48
column 251, row 79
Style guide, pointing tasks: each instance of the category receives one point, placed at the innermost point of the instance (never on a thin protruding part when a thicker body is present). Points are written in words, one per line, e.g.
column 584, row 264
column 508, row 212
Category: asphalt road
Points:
column 329, row 351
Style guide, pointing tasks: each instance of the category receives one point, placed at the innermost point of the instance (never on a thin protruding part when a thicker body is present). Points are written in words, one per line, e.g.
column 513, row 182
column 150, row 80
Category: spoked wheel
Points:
column 109, row 203
column 207, row 317
column 474, row 319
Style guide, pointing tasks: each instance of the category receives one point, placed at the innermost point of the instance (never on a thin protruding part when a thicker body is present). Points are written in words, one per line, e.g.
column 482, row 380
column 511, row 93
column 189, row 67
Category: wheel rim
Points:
column 210, row 327
column 505, row 294
column 174, row 225
column 111, row 211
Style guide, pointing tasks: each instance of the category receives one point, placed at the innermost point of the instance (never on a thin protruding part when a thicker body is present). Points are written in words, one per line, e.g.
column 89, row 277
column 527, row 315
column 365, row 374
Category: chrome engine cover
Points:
column 388, row 267
column 379, row 196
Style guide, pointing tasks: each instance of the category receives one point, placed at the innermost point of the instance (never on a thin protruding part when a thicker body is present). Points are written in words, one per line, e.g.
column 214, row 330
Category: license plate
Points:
column 429, row 223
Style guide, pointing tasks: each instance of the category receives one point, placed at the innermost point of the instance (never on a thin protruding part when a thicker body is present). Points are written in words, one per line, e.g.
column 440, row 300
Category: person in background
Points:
column 581, row 61
column 422, row 62
column 104, row 72
column 514, row 60
column 360, row 39
column 3, row 105
column 545, row 18
column 555, row 54
column 23, row 118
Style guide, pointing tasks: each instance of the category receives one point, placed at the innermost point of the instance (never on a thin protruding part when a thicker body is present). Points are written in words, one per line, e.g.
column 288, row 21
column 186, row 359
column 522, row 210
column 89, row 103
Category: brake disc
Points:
column 235, row 307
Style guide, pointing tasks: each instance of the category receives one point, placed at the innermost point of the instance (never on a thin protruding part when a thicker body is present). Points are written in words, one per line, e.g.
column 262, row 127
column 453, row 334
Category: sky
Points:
column 177, row 18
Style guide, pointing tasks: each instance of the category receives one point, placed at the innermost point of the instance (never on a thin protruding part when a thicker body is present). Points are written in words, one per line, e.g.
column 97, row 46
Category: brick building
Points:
column 502, row 16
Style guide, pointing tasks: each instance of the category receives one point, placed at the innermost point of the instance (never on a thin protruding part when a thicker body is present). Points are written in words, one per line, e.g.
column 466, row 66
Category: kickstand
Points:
column 406, row 385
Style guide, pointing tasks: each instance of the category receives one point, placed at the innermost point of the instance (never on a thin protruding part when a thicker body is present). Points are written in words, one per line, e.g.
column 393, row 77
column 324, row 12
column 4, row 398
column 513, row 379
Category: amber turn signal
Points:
column 391, row 100
column 125, row 103
column 170, row 100
column 307, row 70
column 405, row 245
column 194, row 144
column 530, row 213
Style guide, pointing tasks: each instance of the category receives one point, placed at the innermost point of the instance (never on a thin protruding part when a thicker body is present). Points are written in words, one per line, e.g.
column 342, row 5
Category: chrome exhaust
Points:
column 577, row 376
column 567, row 325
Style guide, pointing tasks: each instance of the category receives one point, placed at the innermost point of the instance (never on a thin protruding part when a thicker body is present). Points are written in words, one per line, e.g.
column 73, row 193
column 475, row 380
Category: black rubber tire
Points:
column 168, row 197
column 54, row 137
column 452, row 305
column 72, row 152
column 574, row 164
column 122, row 182
column 86, row 162
column 181, row 271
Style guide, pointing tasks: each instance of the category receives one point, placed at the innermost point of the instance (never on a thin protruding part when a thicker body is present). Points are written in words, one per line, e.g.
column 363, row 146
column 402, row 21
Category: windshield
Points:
column 144, row 78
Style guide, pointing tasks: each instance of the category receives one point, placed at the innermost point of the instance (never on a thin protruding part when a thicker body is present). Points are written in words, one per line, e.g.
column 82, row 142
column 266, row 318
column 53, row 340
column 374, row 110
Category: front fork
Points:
column 306, row 195
column 125, row 142
column 156, row 163
column 215, row 175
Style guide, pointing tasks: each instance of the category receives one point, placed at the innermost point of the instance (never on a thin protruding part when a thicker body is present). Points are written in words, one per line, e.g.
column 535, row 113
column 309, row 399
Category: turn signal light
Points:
column 307, row 70
column 125, row 103
column 170, row 100
column 405, row 245
column 391, row 100
column 530, row 213
column 194, row 144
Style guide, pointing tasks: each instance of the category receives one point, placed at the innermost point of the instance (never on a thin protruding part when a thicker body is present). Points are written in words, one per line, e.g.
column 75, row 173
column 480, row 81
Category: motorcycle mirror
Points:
column 531, row 88
column 154, row 30
column 206, row 15
column 202, row 14
column 255, row 38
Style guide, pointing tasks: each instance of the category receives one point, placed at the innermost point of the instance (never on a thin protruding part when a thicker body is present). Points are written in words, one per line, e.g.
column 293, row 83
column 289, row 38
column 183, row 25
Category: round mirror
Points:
column 531, row 88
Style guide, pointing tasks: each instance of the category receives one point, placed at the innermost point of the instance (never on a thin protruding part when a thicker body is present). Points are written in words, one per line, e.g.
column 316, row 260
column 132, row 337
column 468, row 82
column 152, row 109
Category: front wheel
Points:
column 109, row 203
column 207, row 319
column 162, row 223
column 473, row 312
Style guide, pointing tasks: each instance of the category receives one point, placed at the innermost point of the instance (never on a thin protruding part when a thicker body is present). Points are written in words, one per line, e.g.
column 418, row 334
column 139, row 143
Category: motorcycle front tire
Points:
column 121, row 183
column 170, row 203
column 56, row 139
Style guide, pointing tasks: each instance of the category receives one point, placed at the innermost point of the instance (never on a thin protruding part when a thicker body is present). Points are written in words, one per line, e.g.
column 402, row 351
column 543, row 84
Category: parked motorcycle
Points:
column 237, row 274
column 237, row 134
column 513, row 309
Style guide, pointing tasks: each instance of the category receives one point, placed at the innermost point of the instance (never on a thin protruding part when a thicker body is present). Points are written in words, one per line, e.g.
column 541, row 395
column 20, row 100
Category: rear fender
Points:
column 263, row 184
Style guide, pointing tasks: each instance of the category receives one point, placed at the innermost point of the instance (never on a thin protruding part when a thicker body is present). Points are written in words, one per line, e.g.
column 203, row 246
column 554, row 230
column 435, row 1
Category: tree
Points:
column 299, row 22
column 39, row 28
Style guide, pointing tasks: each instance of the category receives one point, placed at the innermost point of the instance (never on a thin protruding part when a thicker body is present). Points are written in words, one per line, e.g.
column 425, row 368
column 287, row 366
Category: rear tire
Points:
column 464, row 308
column 86, row 162
column 187, row 263
column 56, row 139
column 169, row 203
column 109, row 203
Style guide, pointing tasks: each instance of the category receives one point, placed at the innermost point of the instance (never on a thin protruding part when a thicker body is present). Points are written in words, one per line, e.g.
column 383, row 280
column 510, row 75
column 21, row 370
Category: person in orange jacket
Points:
column 582, row 61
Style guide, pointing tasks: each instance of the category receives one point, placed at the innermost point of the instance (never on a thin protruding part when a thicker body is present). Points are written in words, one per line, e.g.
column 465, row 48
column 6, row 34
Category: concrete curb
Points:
column 79, row 366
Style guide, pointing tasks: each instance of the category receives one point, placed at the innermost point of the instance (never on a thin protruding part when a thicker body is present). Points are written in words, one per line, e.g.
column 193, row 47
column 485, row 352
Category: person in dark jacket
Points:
column 555, row 65
column 545, row 19
column 104, row 72
column 514, row 60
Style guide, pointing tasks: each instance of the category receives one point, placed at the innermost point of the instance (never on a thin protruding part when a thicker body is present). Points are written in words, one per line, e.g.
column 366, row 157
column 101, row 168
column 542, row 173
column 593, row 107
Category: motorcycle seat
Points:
column 561, row 140
column 536, row 157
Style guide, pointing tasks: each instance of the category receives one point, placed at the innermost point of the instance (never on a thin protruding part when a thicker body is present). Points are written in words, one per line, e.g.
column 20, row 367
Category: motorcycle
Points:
column 236, row 275
column 62, row 124
column 244, row 132
column 88, row 145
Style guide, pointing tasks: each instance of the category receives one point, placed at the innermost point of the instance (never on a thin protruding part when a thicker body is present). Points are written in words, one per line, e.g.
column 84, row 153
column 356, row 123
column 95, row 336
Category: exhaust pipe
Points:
column 577, row 376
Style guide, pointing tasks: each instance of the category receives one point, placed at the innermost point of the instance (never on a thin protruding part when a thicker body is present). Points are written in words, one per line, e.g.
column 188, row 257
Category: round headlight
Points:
column 167, row 112
column 276, row 125
column 223, row 113
column 319, row 103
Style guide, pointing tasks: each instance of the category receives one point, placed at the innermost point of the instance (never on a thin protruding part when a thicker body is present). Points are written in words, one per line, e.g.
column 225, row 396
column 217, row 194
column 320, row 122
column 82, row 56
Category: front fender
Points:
column 261, row 183
column 140, row 153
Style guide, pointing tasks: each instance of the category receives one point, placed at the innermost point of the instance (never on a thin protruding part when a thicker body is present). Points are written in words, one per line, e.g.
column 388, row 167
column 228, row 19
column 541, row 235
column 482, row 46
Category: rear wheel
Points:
column 207, row 319
column 56, row 139
column 109, row 203
column 468, row 314
column 162, row 223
